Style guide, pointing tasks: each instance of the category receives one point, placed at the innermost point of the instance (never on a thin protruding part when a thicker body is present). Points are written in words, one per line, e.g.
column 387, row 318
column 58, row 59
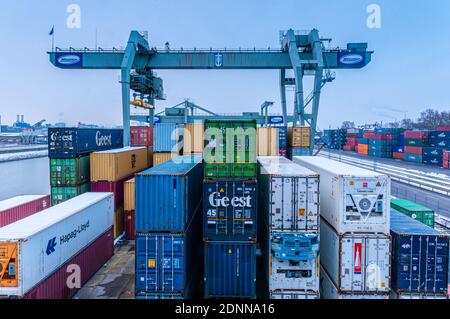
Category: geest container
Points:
column 168, row 194
column 356, row 262
column 168, row 137
column 170, row 263
column 19, row 207
column 288, row 196
column 72, row 142
column 293, row 262
column 113, row 165
column 352, row 199
column 230, row 209
column 419, row 256
column 69, row 171
column 328, row 290
column 37, row 251
column 230, row 269
column 141, row 136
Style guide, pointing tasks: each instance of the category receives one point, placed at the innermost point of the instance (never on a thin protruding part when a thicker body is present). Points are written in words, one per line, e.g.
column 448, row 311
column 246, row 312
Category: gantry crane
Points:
column 303, row 52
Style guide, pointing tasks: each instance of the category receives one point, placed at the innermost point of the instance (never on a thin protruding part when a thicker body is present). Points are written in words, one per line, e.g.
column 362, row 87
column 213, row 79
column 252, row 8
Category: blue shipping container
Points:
column 439, row 134
column 167, row 137
column 70, row 142
column 363, row 141
column 298, row 151
column 230, row 269
column 440, row 142
column 168, row 194
column 398, row 149
column 419, row 256
column 413, row 158
column 230, row 209
column 282, row 136
column 159, row 296
column 167, row 263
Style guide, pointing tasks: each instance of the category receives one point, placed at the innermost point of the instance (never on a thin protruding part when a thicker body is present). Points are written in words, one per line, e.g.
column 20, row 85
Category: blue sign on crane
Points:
column 351, row 60
column 69, row 59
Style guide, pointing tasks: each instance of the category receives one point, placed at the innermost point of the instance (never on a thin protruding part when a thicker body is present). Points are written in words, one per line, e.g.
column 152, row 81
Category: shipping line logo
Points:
column 69, row 59
column 66, row 238
column 216, row 200
column 103, row 140
column 351, row 59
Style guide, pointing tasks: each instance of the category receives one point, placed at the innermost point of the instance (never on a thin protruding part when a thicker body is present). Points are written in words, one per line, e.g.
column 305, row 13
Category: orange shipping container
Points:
column 193, row 139
column 118, row 222
column 267, row 144
column 363, row 149
column 159, row 158
column 129, row 195
column 299, row 136
column 113, row 165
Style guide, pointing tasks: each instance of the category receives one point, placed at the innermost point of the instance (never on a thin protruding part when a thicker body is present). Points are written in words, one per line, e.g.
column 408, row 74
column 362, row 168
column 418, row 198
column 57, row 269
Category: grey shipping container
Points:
column 168, row 194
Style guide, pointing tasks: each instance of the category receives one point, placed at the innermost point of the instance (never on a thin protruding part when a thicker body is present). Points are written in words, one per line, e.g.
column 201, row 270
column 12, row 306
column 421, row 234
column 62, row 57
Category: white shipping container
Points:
column 294, row 295
column 352, row 199
column 328, row 290
column 35, row 247
column 289, row 275
column 356, row 262
column 289, row 195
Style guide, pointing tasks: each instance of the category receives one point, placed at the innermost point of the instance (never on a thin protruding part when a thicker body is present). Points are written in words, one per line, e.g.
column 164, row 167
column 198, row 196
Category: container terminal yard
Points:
column 187, row 201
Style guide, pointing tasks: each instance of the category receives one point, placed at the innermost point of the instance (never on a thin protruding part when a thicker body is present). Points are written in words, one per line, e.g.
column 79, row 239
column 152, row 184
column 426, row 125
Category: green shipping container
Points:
column 224, row 170
column 61, row 194
column 69, row 171
column 416, row 142
column 413, row 210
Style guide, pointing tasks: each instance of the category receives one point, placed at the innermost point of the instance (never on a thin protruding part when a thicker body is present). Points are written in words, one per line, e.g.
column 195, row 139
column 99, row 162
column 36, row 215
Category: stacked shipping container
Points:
column 230, row 209
column 19, row 207
column 143, row 136
column 110, row 170
column 68, row 150
column 168, row 141
column 299, row 141
column 129, row 209
column 168, row 229
column 415, row 141
column 413, row 210
column 335, row 139
column 354, row 229
column 288, row 229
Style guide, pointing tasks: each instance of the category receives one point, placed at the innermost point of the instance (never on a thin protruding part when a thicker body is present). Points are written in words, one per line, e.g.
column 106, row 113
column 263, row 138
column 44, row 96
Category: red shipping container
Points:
column 443, row 128
column 129, row 225
column 400, row 156
column 446, row 155
column 369, row 135
column 141, row 136
column 446, row 164
column 383, row 137
column 416, row 134
column 348, row 148
column 90, row 260
column 19, row 207
column 416, row 150
column 352, row 135
column 112, row 187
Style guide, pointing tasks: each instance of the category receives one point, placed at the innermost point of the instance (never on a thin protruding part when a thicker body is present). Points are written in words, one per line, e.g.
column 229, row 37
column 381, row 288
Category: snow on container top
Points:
column 72, row 142
column 420, row 256
column 35, row 247
column 19, row 207
column 17, row 201
column 167, row 195
column 281, row 166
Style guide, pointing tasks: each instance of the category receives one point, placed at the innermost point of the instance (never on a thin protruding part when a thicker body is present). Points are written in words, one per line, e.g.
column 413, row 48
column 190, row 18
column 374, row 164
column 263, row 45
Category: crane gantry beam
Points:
column 304, row 53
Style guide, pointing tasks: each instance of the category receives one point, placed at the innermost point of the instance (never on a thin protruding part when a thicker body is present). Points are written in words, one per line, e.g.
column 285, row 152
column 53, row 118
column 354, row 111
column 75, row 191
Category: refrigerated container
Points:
column 230, row 269
column 352, row 199
column 141, row 136
column 168, row 137
column 71, row 142
column 356, row 262
column 292, row 263
column 170, row 263
column 38, row 253
column 294, row 295
column 113, row 165
column 230, row 209
column 69, row 171
column 421, row 213
column 289, row 195
column 420, row 257
column 328, row 290
column 19, row 207
column 193, row 139
column 168, row 194
column 61, row 194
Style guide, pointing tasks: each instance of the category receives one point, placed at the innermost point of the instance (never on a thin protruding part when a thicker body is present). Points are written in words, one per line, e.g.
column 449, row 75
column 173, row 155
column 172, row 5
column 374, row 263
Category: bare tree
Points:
column 347, row 125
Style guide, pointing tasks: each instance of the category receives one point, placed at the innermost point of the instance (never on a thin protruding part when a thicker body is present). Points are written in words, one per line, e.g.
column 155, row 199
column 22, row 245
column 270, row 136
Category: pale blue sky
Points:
column 409, row 72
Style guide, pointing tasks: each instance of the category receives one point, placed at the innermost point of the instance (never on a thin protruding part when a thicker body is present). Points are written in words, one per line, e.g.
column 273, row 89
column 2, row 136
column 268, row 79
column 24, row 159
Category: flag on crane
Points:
column 52, row 31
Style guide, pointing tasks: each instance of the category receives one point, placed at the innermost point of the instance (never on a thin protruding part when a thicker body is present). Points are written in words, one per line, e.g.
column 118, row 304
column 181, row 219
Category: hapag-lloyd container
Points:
column 230, row 209
column 289, row 195
column 34, row 251
column 19, row 207
column 113, row 165
column 419, row 256
column 352, row 199
column 141, row 136
column 168, row 137
column 230, row 269
column 356, row 262
column 328, row 290
column 72, row 142
column 168, row 194
column 171, row 263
